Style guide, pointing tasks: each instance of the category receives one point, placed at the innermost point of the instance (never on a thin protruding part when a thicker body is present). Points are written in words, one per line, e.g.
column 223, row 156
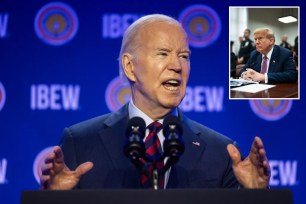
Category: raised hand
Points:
column 254, row 170
column 57, row 176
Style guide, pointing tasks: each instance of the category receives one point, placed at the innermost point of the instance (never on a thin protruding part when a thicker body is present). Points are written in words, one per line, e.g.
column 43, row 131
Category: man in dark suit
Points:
column 154, row 58
column 246, row 47
column 269, row 63
column 284, row 43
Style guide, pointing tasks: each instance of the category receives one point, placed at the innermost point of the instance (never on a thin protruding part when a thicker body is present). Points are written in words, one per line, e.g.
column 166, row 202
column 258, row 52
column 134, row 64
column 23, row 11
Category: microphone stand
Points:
column 155, row 177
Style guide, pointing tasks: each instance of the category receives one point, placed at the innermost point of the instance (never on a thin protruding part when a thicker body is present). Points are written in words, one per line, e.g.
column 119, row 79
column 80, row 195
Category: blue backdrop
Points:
column 58, row 66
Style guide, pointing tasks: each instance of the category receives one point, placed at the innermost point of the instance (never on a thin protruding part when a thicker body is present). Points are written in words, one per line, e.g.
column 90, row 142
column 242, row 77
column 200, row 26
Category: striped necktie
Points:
column 154, row 157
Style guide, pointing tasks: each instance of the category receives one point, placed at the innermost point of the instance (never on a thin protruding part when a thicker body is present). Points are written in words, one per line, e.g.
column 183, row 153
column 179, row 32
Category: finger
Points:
column 83, row 168
column 50, row 158
column 258, row 148
column 44, row 181
column 246, row 76
column 45, row 169
column 258, row 142
column 264, row 163
column 234, row 154
column 264, row 169
column 59, row 157
column 267, row 169
column 249, row 77
column 250, row 70
column 254, row 153
column 262, row 160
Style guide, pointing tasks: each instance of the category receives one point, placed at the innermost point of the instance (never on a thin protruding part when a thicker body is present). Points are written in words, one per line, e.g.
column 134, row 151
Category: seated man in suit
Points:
column 269, row 63
column 155, row 59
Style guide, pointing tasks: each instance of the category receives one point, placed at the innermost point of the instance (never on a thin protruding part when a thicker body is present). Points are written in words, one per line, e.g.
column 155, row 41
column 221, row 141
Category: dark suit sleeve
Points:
column 282, row 70
column 68, row 148
column 251, row 63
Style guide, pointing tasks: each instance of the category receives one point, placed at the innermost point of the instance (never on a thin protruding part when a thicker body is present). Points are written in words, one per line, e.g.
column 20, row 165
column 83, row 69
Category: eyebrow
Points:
column 164, row 49
column 169, row 50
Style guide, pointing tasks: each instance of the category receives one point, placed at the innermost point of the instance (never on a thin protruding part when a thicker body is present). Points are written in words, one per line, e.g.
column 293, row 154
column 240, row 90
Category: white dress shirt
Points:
column 268, row 63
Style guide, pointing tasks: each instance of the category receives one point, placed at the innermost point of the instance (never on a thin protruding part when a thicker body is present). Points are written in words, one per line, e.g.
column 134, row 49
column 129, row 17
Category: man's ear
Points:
column 128, row 66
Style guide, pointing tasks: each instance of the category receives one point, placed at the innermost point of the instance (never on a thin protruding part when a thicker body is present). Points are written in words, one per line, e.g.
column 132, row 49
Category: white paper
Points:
column 253, row 88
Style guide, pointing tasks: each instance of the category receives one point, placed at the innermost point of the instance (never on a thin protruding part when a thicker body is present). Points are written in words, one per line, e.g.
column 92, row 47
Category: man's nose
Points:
column 175, row 64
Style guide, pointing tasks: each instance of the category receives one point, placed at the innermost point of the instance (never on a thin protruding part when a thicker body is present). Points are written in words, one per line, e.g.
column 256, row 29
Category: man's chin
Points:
column 172, row 104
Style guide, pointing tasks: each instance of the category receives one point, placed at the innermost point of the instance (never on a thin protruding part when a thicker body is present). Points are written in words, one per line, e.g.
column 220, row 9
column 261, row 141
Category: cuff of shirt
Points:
column 266, row 78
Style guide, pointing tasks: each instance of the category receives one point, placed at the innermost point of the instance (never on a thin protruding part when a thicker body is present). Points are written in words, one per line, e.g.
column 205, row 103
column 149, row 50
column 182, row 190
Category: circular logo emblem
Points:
column 117, row 94
column 202, row 24
column 271, row 110
column 56, row 23
column 39, row 160
column 2, row 96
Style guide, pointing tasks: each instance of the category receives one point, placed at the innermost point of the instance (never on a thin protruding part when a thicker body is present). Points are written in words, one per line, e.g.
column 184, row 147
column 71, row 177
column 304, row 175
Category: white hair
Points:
column 130, row 41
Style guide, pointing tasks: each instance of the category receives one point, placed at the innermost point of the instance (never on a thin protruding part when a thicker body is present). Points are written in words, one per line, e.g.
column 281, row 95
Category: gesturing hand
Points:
column 254, row 170
column 57, row 176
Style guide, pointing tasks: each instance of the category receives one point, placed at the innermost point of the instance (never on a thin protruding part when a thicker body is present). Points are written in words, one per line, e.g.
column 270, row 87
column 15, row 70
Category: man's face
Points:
column 246, row 34
column 161, row 68
column 263, row 44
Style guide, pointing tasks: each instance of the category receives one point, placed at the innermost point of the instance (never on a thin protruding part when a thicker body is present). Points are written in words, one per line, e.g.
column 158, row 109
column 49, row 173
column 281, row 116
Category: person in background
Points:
column 246, row 47
column 269, row 63
column 284, row 43
column 233, row 61
column 155, row 59
column 296, row 51
column 240, row 39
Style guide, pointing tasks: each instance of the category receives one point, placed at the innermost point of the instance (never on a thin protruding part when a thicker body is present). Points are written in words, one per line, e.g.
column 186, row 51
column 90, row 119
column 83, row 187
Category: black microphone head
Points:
column 134, row 147
column 172, row 123
column 173, row 145
column 136, row 124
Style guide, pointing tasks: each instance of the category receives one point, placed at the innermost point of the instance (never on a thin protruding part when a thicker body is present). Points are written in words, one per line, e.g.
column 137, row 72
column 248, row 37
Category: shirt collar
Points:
column 269, row 53
column 136, row 112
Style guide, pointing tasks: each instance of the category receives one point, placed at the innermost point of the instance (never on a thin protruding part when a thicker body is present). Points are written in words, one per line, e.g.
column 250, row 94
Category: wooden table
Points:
column 279, row 91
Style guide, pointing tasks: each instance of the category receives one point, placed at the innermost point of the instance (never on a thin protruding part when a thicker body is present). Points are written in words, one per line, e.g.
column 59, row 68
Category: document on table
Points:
column 253, row 88
column 240, row 81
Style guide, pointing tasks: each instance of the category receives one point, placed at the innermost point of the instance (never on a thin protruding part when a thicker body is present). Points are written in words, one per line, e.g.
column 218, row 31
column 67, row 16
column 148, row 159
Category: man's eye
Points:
column 162, row 53
column 185, row 56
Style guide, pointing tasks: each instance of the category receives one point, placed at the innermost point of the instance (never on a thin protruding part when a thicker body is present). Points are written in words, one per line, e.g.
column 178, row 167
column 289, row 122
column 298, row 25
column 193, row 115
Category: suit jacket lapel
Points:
column 274, row 58
column 258, row 63
column 194, row 148
column 113, row 136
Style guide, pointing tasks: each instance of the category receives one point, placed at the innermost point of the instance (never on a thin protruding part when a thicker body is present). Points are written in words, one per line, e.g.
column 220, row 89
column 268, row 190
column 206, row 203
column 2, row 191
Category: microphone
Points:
column 173, row 145
column 134, row 147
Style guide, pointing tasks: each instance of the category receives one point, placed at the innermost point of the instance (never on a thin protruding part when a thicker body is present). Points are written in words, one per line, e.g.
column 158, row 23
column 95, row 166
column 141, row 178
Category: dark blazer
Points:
column 101, row 141
column 281, row 66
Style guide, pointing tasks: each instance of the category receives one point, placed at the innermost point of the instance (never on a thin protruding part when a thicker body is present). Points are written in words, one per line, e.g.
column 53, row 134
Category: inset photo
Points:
column 264, row 52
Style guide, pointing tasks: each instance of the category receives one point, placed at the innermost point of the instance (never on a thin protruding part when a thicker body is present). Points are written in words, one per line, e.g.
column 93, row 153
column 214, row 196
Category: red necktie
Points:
column 154, row 155
column 264, row 65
